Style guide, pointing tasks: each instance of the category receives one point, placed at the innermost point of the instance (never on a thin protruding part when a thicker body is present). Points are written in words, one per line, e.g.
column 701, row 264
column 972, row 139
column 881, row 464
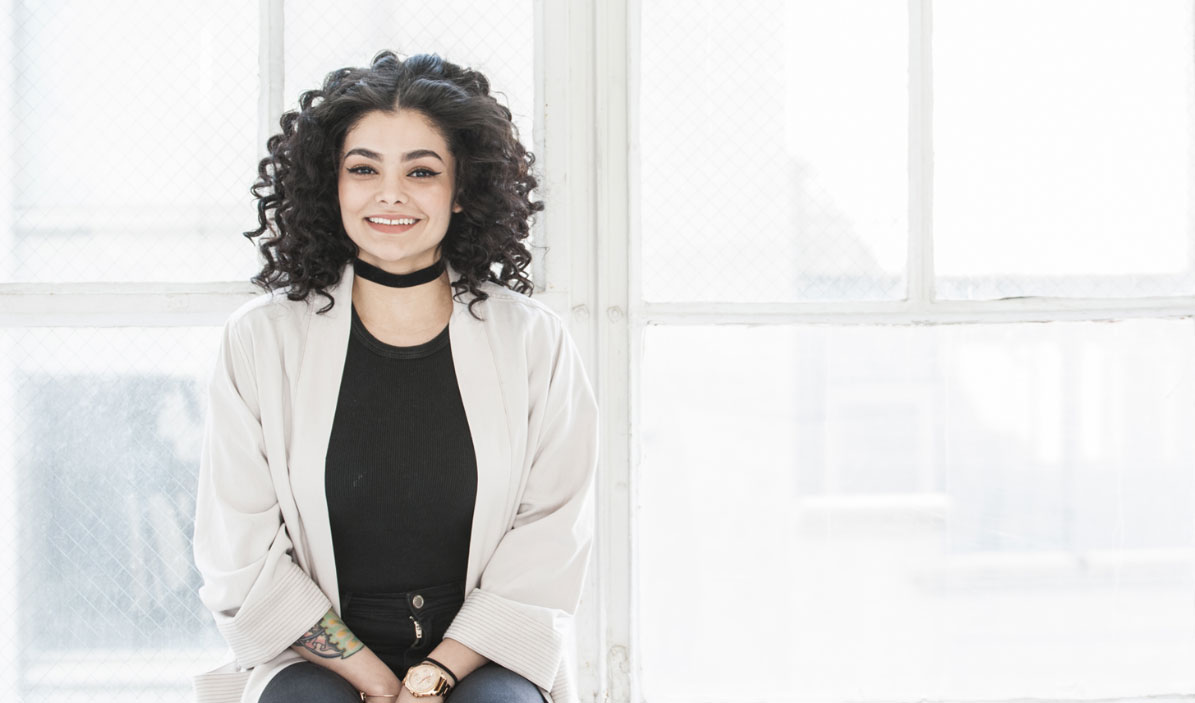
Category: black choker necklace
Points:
column 370, row 272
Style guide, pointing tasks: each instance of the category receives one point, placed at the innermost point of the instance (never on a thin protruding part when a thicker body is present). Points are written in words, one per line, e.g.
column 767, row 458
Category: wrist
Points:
column 426, row 680
column 382, row 689
column 452, row 679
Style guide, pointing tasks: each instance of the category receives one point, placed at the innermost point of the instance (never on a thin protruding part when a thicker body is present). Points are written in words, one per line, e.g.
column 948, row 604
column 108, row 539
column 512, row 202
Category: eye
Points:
column 361, row 169
column 427, row 172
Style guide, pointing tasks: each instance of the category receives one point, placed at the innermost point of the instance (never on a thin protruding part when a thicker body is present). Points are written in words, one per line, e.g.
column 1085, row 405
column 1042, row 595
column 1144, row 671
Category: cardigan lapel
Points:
column 479, row 380
column 314, row 408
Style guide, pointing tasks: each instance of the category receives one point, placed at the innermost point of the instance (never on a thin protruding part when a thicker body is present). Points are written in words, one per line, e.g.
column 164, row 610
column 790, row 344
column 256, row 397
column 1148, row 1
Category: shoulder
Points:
column 512, row 303
column 521, row 313
column 538, row 336
column 267, row 314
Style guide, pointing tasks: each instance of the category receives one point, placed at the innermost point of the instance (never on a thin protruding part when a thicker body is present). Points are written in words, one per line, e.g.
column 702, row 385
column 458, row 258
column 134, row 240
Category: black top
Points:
column 400, row 474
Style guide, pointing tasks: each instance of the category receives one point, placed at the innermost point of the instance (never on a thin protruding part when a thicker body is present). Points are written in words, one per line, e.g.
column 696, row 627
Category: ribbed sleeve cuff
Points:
column 503, row 632
column 265, row 626
column 223, row 685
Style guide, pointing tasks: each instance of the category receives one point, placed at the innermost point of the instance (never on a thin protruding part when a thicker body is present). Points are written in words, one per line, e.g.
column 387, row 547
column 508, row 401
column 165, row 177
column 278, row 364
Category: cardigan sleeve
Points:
column 531, row 586
column 260, row 598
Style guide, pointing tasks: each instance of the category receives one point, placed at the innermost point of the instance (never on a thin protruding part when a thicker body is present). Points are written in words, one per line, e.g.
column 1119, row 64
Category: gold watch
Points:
column 426, row 680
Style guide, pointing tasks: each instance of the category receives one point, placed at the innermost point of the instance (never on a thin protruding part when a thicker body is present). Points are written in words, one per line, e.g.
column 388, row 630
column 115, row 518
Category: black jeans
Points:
column 311, row 683
column 402, row 629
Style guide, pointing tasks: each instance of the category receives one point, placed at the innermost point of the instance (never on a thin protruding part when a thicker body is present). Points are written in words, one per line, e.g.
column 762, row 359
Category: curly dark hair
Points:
column 296, row 189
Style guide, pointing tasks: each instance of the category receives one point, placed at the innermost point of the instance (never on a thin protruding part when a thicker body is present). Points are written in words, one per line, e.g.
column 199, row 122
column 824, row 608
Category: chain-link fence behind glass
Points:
column 773, row 139
column 1062, row 142
column 775, row 143
column 134, row 137
column 101, row 440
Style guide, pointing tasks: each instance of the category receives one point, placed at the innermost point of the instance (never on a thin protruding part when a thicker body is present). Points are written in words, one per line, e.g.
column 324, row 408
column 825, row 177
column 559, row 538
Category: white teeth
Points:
column 384, row 221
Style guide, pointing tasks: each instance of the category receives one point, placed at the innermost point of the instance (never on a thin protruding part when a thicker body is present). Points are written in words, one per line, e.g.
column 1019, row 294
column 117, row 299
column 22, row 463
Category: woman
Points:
column 395, row 493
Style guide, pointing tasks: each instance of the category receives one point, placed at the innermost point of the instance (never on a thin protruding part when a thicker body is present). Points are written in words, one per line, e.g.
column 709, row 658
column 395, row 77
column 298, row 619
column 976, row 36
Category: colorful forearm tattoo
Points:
column 330, row 638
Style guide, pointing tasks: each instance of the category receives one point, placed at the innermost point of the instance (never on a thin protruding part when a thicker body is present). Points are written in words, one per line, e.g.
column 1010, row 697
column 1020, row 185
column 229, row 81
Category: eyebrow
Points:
column 409, row 156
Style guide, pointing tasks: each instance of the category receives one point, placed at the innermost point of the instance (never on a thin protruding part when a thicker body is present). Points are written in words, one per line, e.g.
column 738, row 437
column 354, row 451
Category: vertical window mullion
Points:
column 8, row 124
column 567, row 67
column 601, row 265
column 1191, row 141
column 921, row 149
column 271, row 71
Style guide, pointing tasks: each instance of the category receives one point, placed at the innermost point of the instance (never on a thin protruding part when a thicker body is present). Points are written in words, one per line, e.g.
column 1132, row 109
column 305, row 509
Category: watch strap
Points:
column 443, row 668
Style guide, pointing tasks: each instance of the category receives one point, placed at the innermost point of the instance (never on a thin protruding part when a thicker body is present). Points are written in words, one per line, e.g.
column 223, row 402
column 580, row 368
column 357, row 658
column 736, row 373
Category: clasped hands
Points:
column 404, row 696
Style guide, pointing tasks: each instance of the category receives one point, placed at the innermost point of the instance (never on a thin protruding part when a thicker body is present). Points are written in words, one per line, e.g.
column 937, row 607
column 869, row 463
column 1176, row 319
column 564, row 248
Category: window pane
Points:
column 134, row 141
column 100, row 430
column 773, row 142
column 1063, row 161
column 980, row 512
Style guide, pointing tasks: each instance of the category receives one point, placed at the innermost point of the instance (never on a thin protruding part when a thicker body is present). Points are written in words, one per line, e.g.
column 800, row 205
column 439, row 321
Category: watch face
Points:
column 422, row 678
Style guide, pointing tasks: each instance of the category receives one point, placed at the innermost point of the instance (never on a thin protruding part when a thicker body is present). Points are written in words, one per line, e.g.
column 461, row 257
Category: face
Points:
column 396, row 166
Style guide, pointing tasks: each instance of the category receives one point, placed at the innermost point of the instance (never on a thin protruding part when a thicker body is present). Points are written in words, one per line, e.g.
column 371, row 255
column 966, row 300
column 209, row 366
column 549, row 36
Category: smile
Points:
column 383, row 224
column 400, row 221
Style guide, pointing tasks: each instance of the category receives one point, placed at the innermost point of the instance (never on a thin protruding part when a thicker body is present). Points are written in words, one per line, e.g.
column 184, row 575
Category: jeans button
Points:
column 417, row 601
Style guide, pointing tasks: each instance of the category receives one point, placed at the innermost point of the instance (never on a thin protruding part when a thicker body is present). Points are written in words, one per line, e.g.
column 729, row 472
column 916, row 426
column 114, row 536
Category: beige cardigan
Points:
column 262, row 539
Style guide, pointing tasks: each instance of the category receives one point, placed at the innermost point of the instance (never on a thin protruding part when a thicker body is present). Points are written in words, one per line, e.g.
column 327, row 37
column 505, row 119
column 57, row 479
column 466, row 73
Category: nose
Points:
column 391, row 190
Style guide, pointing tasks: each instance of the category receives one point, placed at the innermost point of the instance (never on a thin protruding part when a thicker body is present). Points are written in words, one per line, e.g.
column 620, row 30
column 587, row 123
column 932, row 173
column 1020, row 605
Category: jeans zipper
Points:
column 418, row 630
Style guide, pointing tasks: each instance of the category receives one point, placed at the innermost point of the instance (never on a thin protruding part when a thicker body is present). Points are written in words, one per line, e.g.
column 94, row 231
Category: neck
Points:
column 409, row 309
column 424, row 274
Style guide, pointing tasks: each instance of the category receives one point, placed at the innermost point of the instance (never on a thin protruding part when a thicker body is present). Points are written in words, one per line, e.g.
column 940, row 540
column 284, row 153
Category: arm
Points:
column 330, row 643
column 261, row 600
column 459, row 659
column 532, row 583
